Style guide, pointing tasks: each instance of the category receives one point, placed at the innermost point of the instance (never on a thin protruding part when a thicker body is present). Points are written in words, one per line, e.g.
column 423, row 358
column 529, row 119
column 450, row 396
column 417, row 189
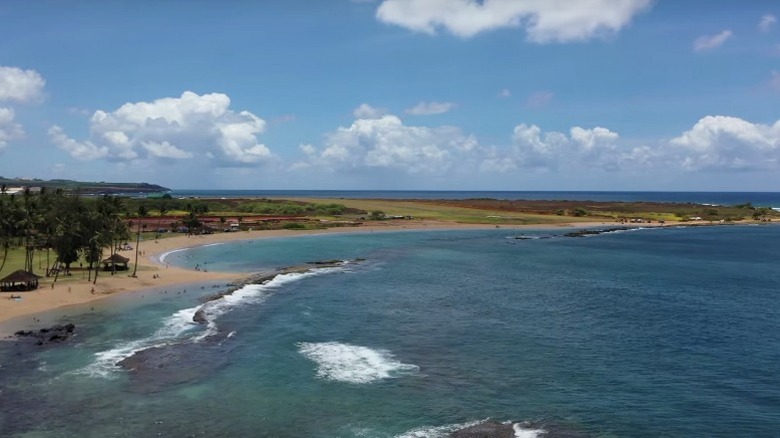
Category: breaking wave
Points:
column 354, row 363
column 180, row 326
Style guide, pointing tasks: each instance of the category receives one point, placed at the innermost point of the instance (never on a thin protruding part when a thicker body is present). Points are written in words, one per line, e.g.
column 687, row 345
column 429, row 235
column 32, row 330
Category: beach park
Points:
column 158, row 227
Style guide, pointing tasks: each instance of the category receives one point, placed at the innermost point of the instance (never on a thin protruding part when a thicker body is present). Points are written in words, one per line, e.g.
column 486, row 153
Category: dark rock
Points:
column 48, row 335
column 488, row 429
column 583, row 233
column 156, row 368
column 326, row 262
column 200, row 316
column 262, row 278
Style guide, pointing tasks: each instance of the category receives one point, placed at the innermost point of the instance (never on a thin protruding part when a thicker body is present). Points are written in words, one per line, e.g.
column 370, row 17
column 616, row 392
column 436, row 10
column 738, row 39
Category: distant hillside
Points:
column 84, row 187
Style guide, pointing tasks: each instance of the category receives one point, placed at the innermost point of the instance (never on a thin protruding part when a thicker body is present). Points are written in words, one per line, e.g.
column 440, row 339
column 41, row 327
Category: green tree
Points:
column 377, row 215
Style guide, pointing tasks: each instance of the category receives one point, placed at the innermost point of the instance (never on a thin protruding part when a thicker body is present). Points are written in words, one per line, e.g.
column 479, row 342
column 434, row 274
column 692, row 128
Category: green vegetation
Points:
column 71, row 227
column 82, row 186
column 290, row 208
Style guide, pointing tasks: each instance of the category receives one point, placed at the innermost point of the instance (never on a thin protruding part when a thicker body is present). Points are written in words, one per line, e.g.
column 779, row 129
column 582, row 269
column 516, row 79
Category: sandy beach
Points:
column 152, row 273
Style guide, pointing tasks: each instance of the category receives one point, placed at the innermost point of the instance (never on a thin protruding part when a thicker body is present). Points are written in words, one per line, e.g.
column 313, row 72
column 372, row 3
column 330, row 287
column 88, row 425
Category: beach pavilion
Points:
column 115, row 263
column 19, row 281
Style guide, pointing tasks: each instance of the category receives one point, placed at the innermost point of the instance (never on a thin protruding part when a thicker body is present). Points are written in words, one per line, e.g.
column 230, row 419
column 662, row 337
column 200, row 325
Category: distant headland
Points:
column 13, row 185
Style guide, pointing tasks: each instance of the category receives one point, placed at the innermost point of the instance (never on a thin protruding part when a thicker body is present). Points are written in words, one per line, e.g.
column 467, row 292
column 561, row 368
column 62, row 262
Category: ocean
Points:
column 662, row 332
column 758, row 199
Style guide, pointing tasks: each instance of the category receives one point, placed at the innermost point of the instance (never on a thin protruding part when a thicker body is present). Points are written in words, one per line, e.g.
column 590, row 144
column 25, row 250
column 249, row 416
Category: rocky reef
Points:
column 49, row 335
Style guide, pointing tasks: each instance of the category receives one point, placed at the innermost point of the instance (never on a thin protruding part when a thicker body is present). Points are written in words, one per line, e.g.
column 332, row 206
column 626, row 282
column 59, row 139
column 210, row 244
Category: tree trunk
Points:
column 5, row 257
column 97, row 269
column 137, row 242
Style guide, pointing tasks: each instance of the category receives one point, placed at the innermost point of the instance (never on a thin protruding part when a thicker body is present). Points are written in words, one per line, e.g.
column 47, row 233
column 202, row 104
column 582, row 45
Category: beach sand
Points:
column 152, row 273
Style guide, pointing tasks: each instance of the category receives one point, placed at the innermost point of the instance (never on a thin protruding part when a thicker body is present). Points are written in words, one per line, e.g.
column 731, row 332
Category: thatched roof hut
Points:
column 19, row 281
column 115, row 263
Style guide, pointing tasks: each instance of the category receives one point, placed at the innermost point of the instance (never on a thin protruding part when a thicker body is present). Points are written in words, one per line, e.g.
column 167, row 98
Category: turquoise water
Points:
column 647, row 333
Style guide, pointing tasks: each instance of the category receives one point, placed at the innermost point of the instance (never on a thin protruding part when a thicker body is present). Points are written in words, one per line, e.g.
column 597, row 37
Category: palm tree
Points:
column 9, row 214
column 142, row 212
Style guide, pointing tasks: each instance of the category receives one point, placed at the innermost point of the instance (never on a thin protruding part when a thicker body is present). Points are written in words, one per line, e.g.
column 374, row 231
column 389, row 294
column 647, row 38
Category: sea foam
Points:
column 180, row 326
column 174, row 327
column 523, row 432
column 444, row 431
column 436, row 431
column 354, row 363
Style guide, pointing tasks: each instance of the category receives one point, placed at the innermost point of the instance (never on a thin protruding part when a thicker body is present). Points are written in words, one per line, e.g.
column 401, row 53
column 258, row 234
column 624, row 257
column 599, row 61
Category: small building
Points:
column 115, row 263
column 19, row 281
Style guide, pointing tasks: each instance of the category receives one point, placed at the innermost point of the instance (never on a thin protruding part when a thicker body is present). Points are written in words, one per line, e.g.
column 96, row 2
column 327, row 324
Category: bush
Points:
column 377, row 215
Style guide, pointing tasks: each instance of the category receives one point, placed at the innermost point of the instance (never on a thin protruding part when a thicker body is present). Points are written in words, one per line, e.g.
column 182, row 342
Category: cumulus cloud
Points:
column 709, row 42
column 430, row 108
column 366, row 111
column 387, row 143
column 721, row 142
column 543, row 21
column 172, row 128
column 714, row 143
column 9, row 129
column 767, row 22
column 590, row 148
column 20, row 85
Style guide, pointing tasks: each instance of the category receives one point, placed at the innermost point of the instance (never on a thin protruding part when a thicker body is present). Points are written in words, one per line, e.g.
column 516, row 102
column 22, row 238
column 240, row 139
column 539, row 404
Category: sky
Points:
column 667, row 95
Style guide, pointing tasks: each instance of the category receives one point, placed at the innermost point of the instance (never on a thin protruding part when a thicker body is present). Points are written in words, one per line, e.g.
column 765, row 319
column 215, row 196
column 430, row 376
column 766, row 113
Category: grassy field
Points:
column 443, row 212
column 542, row 212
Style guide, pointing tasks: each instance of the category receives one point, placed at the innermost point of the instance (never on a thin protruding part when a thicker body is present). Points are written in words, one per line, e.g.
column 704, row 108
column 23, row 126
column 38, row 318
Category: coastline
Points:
column 154, row 273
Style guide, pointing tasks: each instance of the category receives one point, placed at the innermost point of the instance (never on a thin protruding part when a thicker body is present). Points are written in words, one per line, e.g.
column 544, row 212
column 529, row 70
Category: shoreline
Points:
column 154, row 273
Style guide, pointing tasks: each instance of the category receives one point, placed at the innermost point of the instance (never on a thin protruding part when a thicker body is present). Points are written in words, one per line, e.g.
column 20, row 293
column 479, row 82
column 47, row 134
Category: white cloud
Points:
column 716, row 143
column 708, row 42
column 430, row 108
column 387, row 143
column 366, row 111
column 588, row 148
column 767, row 22
column 20, row 85
column 505, row 93
column 9, row 129
column 173, row 128
column 543, row 20
column 386, row 147
column 81, row 150
column 723, row 143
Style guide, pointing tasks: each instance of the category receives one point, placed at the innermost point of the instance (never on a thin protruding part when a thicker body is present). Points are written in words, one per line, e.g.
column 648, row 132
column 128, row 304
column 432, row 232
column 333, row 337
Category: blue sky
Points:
column 394, row 94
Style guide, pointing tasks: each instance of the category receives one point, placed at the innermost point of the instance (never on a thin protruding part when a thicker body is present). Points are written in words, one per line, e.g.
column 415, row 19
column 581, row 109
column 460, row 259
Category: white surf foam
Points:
column 180, row 327
column 164, row 255
column 444, row 431
column 257, row 293
column 174, row 327
column 436, row 431
column 523, row 432
column 353, row 363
